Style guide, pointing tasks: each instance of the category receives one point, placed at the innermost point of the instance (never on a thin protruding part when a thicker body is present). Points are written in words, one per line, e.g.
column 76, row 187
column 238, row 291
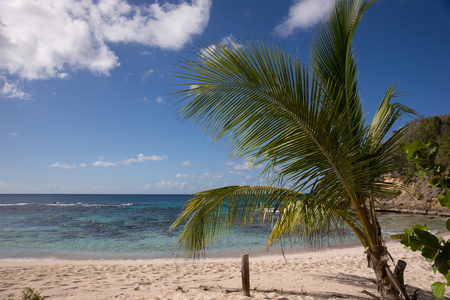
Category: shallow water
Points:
column 131, row 227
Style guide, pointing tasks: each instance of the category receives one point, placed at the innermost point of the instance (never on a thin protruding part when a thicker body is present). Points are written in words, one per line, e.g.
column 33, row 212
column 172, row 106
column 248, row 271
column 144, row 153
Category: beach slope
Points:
column 329, row 274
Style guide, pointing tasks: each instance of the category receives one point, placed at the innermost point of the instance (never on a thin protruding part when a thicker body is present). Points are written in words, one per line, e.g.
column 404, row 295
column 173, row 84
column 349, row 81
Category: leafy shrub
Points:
column 30, row 294
column 435, row 249
column 433, row 130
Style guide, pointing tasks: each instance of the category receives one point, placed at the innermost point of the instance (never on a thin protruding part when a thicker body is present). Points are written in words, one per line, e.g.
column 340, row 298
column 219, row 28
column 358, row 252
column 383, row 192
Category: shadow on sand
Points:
column 359, row 283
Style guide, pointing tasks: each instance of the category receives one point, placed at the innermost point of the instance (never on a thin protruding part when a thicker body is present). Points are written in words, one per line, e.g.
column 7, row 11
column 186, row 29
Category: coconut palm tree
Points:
column 305, row 125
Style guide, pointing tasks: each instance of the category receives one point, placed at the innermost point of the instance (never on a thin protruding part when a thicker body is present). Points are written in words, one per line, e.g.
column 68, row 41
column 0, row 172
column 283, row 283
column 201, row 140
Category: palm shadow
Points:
column 365, row 282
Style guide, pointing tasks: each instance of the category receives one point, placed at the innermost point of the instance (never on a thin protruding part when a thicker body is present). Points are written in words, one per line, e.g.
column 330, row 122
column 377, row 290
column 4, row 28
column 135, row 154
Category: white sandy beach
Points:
column 330, row 274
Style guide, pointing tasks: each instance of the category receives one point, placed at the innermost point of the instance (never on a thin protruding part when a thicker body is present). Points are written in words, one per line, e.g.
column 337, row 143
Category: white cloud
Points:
column 10, row 89
column 304, row 14
column 83, row 165
column 229, row 163
column 105, row 164
column 64, row 166
column 179, row 175
column 160, row 100
column 147, row 74
column 13, row 134
column 236, row 172
column 208, row 51
column 41, row 39
column 63, row 75
column 142, row 158
column 246, row 166
column 165, row 185
column 212, row 175
column 5, row 184
column 145, row 53
column 167, row 26
column 240, row 167
column 186, row 163
column 77, row 188
column 139, row 159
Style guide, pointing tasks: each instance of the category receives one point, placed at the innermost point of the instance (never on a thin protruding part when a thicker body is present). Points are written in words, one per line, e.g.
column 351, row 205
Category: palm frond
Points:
column 304, row 125
column 310, row 222
column 285, row 117
column 210, row 212
column 332, row 56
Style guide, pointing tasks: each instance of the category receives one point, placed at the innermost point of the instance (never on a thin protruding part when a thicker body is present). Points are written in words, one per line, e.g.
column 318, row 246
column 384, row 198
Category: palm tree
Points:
column 305, row 126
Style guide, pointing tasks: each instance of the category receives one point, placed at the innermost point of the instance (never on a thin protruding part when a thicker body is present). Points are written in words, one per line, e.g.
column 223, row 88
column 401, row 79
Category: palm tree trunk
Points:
column 390, row 286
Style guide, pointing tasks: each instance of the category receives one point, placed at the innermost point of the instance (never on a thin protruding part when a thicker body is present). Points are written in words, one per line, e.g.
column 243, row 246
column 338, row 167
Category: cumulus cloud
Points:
column 179, row 175
column 10, row 89
column 139, row 159
column 304, row 14
column 104, row 164
column 64, row 166
column 209, row 51
column 246, row 166
column 186, row 163
column 145, row 53
column 243, row 167
column 236, row 172
column 142, row 158
column 63, row 75
column 160, row 100
column 10, row 187
column 147, row 74
column 4, row 184
column 76, row 188
column 41, row 39
column 162, row 184
column 212, row 175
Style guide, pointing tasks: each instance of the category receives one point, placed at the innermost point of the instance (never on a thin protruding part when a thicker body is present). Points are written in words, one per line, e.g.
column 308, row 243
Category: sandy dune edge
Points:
column 331, row 274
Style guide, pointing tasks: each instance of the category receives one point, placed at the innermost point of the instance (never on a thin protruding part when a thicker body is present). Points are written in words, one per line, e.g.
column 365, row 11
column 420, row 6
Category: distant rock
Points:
column 418, row 198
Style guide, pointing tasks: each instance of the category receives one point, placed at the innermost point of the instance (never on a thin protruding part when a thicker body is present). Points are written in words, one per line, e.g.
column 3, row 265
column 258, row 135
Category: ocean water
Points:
column 132, row 227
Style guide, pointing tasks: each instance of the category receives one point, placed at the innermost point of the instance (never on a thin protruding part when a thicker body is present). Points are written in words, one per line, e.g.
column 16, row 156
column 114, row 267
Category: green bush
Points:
column 419, row 238
column 30, row 294
column 433, row 130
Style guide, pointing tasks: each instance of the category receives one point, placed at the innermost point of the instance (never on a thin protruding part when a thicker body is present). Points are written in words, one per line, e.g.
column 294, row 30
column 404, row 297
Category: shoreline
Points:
column 331, row 274
column 274, row 252
column 67, row 256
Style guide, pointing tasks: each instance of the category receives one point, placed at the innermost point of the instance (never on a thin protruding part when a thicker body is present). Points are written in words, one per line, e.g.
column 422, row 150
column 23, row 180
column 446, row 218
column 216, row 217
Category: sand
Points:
column 331, row 274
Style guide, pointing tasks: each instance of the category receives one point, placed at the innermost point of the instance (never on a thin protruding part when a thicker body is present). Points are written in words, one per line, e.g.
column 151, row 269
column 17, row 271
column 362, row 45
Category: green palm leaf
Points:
column 304, row 122
column 209, row 212
column 305, row 126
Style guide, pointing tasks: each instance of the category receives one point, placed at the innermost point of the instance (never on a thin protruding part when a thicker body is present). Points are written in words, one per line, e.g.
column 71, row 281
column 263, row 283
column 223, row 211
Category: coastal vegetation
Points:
column 30, row 294
column 304, row 125
column 433, row 130
column 419, row 238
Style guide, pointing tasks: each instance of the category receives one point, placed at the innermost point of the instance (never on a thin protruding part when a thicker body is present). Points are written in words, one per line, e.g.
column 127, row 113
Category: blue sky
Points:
column 85, row 86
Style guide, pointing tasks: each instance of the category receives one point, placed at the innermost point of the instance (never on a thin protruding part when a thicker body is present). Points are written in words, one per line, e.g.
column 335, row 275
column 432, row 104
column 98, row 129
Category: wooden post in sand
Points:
column 245, row 270
column 399, row 271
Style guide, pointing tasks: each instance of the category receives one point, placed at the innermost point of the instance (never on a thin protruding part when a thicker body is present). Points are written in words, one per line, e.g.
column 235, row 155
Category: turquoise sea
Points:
column 131, row 227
